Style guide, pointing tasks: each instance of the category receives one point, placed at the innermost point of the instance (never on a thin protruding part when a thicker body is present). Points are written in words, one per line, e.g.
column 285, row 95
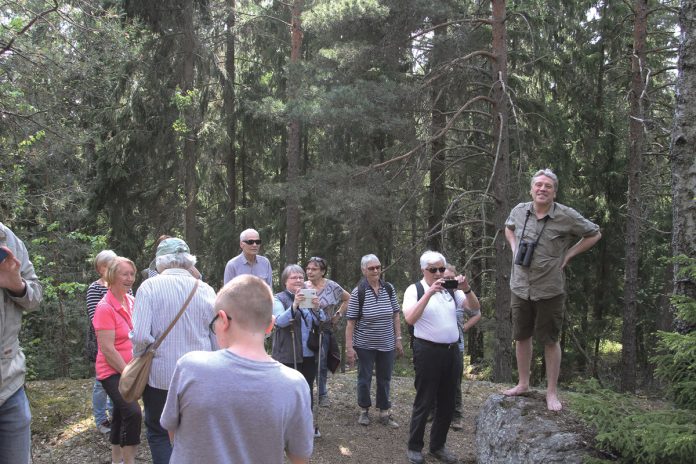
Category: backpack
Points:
column 420, row 291
column 362, row 288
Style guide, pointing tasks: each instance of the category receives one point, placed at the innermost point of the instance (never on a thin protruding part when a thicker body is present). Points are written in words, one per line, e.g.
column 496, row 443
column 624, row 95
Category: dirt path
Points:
column 64, row 431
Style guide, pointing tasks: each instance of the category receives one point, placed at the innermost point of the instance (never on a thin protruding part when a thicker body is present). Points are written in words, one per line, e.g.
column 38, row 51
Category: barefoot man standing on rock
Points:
column 541, row 234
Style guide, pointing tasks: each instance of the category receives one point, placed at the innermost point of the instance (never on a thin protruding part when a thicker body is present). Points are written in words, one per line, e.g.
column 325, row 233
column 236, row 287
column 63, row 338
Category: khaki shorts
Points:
column 543, row 318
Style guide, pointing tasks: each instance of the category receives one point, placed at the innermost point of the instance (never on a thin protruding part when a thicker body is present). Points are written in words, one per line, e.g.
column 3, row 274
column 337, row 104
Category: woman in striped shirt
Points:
column 373, row 336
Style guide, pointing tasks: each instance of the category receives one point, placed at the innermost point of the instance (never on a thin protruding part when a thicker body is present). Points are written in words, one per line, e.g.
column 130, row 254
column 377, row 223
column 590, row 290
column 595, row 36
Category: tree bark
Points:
column 502, row 366
column 437, row 197
column 228, row 95
column 190, row 151
column 635, row 155
column 683, row 153
column 292, row 207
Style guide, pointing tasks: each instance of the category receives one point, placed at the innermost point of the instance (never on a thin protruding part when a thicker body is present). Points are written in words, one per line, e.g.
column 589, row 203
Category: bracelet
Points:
column 466, row 292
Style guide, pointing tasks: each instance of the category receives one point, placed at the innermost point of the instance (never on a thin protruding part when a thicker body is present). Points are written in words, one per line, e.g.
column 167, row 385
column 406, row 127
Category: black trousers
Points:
column 308, row 368
column 127, row 418
column 436, row 380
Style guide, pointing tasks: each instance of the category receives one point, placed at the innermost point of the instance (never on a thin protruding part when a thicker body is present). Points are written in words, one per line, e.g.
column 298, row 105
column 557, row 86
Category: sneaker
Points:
column 444, row 455
column 364, row 418
column 386, row 419
column 104, row 427
column 457, row 424
column 324, row 401
column 415, row 457
column 317, row 433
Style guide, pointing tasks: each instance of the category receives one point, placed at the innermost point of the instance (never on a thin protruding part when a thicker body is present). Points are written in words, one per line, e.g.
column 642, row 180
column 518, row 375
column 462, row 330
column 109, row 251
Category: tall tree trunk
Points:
column 228, row 95
column 437, row 197
column 292, row 207
column 190, row 141
column 502, row 367
column 683, row 152
column 636, row 128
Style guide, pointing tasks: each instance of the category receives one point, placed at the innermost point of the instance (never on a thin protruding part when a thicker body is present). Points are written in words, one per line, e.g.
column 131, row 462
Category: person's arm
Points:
column 229, row 272
column 583, row 245
column 343, row 308
column 512, row 240
column 285, row 318
column 414, row 311
column 141, row 335
column 472, row 321
column 397, row 334
column 106, row 339
column 350, row 352
column 17, row 275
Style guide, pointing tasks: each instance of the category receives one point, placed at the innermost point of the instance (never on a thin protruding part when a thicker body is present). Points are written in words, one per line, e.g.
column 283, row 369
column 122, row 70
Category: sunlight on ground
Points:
column 72, row 430
column 345, row 451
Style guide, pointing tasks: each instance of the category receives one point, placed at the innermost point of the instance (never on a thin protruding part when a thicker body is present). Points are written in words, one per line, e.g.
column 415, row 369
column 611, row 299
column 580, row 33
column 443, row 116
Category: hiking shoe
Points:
column 317, row 433
column 104, row 427
column 457, row 424
column 324, row 401
column 444, row 455
column 415, row 457
column 364, row 418
column 386, row 419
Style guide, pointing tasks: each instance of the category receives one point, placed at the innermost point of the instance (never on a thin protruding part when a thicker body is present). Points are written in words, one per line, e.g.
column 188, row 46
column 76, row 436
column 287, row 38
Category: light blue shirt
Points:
column 239, row 265
column 158, row 301
column 284, row 320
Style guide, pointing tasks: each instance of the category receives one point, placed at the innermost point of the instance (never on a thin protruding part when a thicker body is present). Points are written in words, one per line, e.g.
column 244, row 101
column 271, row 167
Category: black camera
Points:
column 450, row 283
column 525, row 251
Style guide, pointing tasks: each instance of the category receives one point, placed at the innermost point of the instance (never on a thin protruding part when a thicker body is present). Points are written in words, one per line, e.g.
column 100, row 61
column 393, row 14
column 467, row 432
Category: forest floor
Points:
column 63, row 430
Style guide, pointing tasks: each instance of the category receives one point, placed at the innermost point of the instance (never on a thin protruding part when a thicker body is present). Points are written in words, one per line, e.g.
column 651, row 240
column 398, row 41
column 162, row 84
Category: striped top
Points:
column 157, row 303
column 375, row 329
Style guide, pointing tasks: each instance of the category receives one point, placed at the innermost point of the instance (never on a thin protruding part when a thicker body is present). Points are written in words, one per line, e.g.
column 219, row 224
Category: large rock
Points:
column 521, row 430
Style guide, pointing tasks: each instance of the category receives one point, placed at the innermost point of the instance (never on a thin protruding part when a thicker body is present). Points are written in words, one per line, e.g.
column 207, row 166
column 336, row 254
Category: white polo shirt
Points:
column 438, row 323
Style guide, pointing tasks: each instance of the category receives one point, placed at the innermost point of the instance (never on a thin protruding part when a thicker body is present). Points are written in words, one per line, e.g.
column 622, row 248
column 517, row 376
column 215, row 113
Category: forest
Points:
column 338, row 128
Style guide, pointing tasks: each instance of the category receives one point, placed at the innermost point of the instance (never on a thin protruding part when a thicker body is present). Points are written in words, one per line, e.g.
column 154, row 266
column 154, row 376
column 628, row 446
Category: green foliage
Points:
column 637, row 434
column 676, row 359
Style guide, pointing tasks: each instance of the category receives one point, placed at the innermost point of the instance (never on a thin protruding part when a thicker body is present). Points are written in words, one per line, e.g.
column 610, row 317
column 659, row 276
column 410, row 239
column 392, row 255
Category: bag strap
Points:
column 181, row 311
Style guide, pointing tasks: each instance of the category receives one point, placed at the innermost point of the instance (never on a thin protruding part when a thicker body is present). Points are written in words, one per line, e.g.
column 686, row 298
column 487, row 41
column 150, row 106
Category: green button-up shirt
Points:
column 544, row 278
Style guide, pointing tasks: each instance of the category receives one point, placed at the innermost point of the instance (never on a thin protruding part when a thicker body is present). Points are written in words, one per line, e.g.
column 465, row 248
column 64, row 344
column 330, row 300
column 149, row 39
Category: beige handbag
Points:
column 136, row 373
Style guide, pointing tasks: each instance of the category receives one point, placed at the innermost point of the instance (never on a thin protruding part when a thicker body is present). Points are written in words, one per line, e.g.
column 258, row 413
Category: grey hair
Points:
column 103, row 258
column 246, row 232
column 430, row 257
column 289, row 270
column 548, row 173
column 175, row 260
column 367, row 259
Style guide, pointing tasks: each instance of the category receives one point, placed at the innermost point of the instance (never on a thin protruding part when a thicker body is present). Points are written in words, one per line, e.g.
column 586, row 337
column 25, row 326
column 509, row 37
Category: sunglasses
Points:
column 433, row 270
column 374, row 268
column 211, row 326
column 252, row 242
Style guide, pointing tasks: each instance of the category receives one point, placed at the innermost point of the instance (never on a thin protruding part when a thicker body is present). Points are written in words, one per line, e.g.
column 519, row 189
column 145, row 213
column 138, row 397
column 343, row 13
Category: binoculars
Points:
column 525, row 251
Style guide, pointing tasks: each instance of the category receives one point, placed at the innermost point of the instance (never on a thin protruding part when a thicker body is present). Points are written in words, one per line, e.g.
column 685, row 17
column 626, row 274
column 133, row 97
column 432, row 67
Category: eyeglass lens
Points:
column 433, row 270
column 252, row 242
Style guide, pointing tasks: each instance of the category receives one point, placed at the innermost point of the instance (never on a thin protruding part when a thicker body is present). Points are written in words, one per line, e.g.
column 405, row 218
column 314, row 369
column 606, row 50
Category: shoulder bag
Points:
column 137, row 372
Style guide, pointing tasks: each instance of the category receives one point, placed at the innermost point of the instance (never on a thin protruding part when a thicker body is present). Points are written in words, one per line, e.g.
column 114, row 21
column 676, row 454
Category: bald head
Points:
column 248, row 300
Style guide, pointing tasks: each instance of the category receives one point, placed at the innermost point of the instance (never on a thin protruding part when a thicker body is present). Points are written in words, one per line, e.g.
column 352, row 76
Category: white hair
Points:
column 175, row 260
column 367, row 259
column 103, row 258
column 548, row 173
column 246, row 232
column 431, row 257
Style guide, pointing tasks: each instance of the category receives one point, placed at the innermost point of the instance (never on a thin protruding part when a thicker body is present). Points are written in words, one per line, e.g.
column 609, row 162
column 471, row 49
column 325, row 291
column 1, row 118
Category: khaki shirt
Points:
column 544, row 278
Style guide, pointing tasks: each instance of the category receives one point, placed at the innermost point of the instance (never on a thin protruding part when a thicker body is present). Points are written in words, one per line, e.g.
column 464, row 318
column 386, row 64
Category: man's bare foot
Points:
column 516, row 390
column 553, row 403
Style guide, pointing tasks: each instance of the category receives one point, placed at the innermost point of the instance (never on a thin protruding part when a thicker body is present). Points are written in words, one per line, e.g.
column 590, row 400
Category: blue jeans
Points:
column 323, row 369
column 384, row 363
column 100, row 403
column 157, row 436
column 15, row 431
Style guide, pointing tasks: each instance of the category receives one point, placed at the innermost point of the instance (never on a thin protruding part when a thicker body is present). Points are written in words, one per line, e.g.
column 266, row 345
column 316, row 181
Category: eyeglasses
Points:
column 211, row 326
column 433, row 270
column 374, row 268
column 252, row 242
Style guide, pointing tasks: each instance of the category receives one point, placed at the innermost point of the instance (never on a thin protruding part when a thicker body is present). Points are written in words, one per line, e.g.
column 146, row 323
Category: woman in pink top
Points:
column 112, row 322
